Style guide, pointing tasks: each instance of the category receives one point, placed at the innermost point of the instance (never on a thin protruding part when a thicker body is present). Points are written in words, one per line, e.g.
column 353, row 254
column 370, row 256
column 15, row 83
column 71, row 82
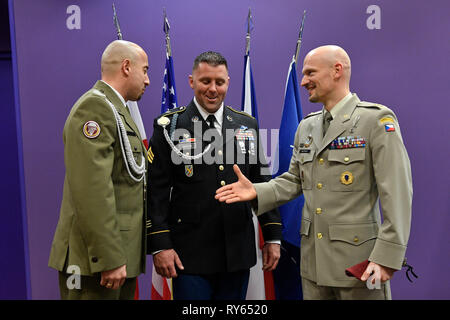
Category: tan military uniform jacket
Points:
column 341, row 223
column 101, row 224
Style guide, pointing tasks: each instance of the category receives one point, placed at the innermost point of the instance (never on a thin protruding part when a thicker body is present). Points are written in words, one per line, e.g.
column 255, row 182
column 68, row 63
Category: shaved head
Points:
column 124, row 67
column 332, row 55
column 115, row 53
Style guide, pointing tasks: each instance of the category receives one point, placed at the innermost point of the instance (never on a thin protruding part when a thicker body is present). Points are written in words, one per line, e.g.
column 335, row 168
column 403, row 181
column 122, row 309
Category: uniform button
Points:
column 355, row 239
column 319, row 186
column 94, row 259
column 346, row 159
column 319, row 210
column 321, row 160
column 187, row 153
column 222, row 183
column 221, row 168
column 220, row 152
column 301, row 159
column 319, row 236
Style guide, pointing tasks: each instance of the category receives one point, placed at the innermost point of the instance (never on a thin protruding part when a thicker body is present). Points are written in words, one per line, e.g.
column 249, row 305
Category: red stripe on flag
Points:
column 155, row 295
column 166, row 292
column 136, row 292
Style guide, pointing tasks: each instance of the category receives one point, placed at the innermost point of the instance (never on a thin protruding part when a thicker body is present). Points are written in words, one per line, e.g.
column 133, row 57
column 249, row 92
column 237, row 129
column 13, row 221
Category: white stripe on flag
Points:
column 256, row 288
column 248, row 91
column 136, row 115
column 158, row 284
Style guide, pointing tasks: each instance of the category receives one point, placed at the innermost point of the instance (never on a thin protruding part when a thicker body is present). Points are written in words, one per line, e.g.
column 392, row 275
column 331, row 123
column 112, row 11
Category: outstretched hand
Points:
column 242, row 190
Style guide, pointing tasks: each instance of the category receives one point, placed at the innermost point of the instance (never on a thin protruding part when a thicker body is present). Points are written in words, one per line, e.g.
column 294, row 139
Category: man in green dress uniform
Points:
column 101, row 230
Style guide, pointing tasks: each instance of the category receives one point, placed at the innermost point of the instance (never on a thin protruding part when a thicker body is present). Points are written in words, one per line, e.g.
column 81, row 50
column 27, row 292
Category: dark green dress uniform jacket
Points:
column 343, row 187
column 208, row 236
column 101, row 224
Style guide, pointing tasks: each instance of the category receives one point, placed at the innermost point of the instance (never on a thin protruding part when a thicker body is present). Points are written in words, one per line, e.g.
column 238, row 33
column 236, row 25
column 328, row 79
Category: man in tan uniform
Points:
column 346, row 157
column 101, row 228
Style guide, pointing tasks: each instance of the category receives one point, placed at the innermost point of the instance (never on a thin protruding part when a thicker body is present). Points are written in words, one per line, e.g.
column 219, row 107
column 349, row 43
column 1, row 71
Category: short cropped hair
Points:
column 210, row 57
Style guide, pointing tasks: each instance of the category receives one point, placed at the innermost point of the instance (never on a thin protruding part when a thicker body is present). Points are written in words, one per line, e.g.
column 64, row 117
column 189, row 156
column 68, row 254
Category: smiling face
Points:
column 210, row 85
column 318, row 78
column 326, row 75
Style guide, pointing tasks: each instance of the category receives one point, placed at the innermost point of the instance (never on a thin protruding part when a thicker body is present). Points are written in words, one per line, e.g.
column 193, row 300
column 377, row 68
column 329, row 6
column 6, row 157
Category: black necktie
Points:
column 326, row 122
column 211, row 119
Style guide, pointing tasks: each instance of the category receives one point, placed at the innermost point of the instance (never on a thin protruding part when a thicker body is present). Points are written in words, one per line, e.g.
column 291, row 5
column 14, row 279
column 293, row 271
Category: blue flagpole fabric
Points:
column 292, row 115
column 169, row 92
column 287, row 275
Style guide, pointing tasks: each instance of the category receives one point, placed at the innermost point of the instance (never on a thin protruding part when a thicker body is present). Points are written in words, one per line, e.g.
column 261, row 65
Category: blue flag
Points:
column 287, row 276
column 169, row 93
column 292, row 115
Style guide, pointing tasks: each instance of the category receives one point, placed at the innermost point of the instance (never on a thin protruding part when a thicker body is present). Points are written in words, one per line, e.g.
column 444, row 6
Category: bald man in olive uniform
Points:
column 101, row 228
column 346, row 157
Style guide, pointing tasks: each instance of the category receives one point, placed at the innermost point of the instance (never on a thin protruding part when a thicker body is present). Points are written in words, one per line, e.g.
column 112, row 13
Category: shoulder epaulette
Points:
column 174, row 110
column 240, row 112
column 98, row 93
column 313, row 114
column 366, row 104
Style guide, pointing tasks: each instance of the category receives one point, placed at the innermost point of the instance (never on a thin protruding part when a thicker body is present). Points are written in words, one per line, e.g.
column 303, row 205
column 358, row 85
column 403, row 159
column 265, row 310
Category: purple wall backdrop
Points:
column 402, row 65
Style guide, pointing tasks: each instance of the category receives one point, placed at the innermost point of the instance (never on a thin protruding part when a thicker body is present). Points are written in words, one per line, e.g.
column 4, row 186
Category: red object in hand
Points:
column 357, row 270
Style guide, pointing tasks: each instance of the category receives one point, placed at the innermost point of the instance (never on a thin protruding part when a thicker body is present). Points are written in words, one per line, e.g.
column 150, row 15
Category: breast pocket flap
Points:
column 306, row 157
column 347, row 155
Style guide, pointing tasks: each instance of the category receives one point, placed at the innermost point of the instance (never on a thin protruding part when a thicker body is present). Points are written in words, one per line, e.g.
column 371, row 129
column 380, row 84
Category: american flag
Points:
column 162, row 287
column 169, row 92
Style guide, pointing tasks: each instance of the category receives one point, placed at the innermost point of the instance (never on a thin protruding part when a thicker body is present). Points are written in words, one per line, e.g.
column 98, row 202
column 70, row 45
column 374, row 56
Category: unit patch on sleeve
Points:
column 91, row 129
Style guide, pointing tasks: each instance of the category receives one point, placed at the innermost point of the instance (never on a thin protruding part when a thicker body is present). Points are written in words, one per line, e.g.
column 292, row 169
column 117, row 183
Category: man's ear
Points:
column 338, row 70
column 126, row 67
column 191, row 81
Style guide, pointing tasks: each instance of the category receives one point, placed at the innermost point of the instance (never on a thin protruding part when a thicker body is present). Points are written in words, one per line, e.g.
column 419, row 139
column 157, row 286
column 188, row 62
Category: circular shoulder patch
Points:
column 163, row 121
column 91, row 129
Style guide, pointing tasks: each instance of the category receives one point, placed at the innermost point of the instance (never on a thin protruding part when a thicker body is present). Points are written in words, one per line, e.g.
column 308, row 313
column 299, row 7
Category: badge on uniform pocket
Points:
column 346, row 178
column 189, row 170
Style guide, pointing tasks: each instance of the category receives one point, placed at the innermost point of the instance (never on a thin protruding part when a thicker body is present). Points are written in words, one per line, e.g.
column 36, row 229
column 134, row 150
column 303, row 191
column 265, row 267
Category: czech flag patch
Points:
column 389, row 127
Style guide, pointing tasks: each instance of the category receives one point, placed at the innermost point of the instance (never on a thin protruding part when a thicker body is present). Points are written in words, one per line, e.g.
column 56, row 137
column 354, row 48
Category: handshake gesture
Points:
column 242, row 190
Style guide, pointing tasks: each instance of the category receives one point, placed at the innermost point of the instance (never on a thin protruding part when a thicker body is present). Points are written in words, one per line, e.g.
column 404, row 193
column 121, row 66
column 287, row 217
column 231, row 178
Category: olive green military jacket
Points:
column 101, row 223
column 360, row 160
